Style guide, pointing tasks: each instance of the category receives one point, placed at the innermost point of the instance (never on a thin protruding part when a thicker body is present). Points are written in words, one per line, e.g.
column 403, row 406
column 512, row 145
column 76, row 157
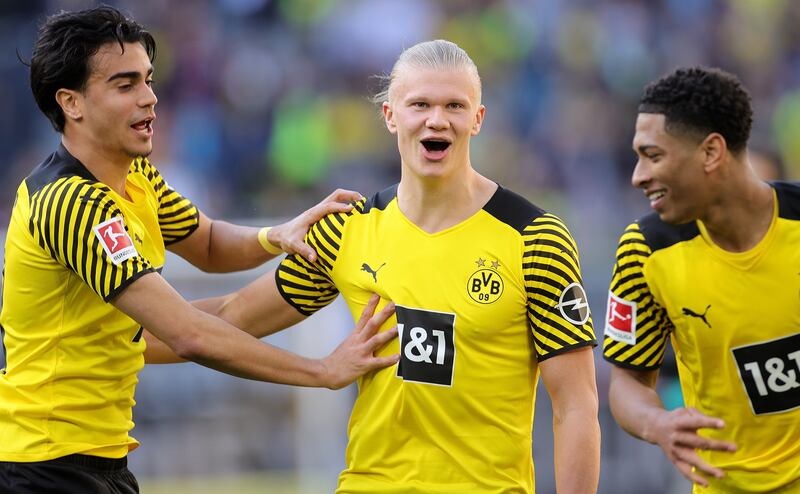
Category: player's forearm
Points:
column 233, row 248
column 577, row 451
column 234, row 352
column 635, row 403
column 158, row 352
column 200, row 337
column 258, row 308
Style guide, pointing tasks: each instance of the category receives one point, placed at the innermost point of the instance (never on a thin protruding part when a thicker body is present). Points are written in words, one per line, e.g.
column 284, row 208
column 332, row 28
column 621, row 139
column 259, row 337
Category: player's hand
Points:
column 290, row 236
column 676, row 433
column 356, row 355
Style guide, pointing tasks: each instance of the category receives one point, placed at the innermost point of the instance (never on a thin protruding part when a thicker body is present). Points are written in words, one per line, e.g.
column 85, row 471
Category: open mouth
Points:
column 145, row 125
column 435, row 145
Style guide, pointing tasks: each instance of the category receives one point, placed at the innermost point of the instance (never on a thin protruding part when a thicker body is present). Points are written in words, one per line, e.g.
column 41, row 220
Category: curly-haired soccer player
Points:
column 716, row 269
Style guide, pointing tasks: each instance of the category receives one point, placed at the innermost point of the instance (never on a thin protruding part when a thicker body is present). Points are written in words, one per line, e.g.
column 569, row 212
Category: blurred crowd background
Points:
column 264, row 109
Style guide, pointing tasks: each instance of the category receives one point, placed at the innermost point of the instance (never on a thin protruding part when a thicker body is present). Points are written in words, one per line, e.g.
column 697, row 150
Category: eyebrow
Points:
column 644, row 148
column 128, row 75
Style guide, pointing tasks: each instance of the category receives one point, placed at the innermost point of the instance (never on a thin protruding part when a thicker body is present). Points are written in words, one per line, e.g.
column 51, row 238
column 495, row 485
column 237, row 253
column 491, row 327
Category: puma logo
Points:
column 373, row 272
column 691, row 313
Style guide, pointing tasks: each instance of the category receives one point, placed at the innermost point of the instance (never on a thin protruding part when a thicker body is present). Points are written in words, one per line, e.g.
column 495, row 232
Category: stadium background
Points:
column 263, row 109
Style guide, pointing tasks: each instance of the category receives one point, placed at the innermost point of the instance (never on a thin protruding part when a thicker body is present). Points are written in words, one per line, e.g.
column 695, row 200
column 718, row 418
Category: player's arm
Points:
column 636, row 330
column 258, row 309
column 217, row 246
column 638, row 409
column 570, row 382
column 194, row 335
column 563, row 336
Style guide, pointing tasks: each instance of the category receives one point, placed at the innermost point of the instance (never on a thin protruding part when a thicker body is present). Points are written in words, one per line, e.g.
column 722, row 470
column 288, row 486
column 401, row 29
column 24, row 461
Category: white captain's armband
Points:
column 621, row 319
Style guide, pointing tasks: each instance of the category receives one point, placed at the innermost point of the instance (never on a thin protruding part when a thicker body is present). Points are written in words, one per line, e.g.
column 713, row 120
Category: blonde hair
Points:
column 437, row 54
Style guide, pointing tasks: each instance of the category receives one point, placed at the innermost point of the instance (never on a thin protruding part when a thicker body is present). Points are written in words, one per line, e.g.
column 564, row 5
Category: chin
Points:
column 143, row 151
column 674, row 218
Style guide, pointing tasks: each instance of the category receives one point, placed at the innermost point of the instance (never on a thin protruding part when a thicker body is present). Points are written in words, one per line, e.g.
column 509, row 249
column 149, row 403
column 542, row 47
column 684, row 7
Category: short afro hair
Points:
column 701, row 100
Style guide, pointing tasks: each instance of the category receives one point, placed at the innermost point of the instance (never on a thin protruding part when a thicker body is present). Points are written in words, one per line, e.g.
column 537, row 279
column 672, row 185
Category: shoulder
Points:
column 58, row 166
column 788, row 194
column 514, row 210
column 660, row 235
column 378, row 201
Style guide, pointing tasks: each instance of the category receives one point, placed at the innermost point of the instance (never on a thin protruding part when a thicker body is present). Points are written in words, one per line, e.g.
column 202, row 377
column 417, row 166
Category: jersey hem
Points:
column 125, row 284
column 592, row 343
column 286, row 296
column 190, row 230
column 626, row 365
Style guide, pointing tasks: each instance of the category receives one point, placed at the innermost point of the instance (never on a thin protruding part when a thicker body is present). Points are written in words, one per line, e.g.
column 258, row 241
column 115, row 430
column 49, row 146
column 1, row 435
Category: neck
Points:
column 110, row 169
column 435, row 204
column 739, row 218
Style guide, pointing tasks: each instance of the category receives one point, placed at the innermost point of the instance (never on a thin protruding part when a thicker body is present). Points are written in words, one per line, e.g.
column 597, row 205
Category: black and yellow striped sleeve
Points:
column 308, row 287
column 65, row 218
column 558, row 310
column 643, row 344
column 178, row 217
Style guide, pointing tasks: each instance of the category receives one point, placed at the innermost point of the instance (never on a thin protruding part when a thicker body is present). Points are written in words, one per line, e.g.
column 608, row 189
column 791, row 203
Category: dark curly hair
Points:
column 65, row 44
column 698, row 101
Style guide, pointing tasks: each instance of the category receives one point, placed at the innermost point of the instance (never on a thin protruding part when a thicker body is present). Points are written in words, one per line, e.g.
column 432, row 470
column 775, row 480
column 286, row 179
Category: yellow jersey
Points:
column 734, row 323
column 73, row 244
column 479, row 306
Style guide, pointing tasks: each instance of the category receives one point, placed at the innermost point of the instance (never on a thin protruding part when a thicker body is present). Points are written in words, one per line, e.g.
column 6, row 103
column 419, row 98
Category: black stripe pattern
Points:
column 652, row 324
column 308, row 287
column 63, row 215
column 177, row 216
column 550, row 264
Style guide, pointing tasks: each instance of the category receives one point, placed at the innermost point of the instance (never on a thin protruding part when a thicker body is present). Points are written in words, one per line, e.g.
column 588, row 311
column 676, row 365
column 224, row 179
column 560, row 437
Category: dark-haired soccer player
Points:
column 86, row 242
column 489, row 297
column 716, row 268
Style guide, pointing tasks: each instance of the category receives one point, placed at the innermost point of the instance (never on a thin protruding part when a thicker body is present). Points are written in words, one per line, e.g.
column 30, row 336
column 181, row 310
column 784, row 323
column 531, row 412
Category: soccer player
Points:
column 715, row 269
column 83, row 253
column 489, row 297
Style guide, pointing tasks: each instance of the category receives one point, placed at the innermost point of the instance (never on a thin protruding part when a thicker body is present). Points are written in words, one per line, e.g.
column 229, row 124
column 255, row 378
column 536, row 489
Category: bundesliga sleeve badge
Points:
column 115, row 240
column 621, row 319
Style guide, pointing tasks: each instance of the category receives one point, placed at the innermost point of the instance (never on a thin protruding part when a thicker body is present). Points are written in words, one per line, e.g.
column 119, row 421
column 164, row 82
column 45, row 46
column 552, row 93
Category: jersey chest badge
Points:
column 770, row 373
column 427, row 345
column 485, row 285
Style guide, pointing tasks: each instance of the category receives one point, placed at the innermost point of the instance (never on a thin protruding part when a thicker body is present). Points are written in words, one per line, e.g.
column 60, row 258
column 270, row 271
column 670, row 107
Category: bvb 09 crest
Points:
column 485, row 285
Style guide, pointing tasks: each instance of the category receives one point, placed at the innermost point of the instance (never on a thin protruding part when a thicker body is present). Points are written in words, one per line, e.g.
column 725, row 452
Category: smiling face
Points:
column 670, row 171
column 434, row 113
column 115, row 110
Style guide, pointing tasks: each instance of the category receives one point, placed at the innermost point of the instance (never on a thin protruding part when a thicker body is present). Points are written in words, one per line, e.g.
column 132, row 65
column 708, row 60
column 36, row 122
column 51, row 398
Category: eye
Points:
column 419, row 104
column 124, row 87
column 149, row 82
column 455, row 106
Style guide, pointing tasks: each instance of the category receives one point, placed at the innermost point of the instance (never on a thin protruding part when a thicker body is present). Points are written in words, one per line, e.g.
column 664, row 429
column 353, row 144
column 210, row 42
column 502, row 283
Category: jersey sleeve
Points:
column 558, row 310
column 306, row 286
column 81, row 227
column 636, row 326
column 178, row 217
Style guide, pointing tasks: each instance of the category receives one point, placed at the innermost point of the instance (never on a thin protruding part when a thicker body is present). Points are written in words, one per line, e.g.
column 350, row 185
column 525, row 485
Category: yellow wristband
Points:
column 267, row 246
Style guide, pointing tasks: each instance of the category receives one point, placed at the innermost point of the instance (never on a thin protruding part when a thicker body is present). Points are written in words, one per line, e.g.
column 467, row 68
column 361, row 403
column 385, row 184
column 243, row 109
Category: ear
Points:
column 70, row 102
column 714, row 149
column 476, row 126
column 388, row 117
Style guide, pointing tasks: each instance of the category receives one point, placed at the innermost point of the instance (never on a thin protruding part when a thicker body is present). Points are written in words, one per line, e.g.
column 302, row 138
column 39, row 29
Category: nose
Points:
column 148, row 97
column 641, row 175
column 437, row 119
